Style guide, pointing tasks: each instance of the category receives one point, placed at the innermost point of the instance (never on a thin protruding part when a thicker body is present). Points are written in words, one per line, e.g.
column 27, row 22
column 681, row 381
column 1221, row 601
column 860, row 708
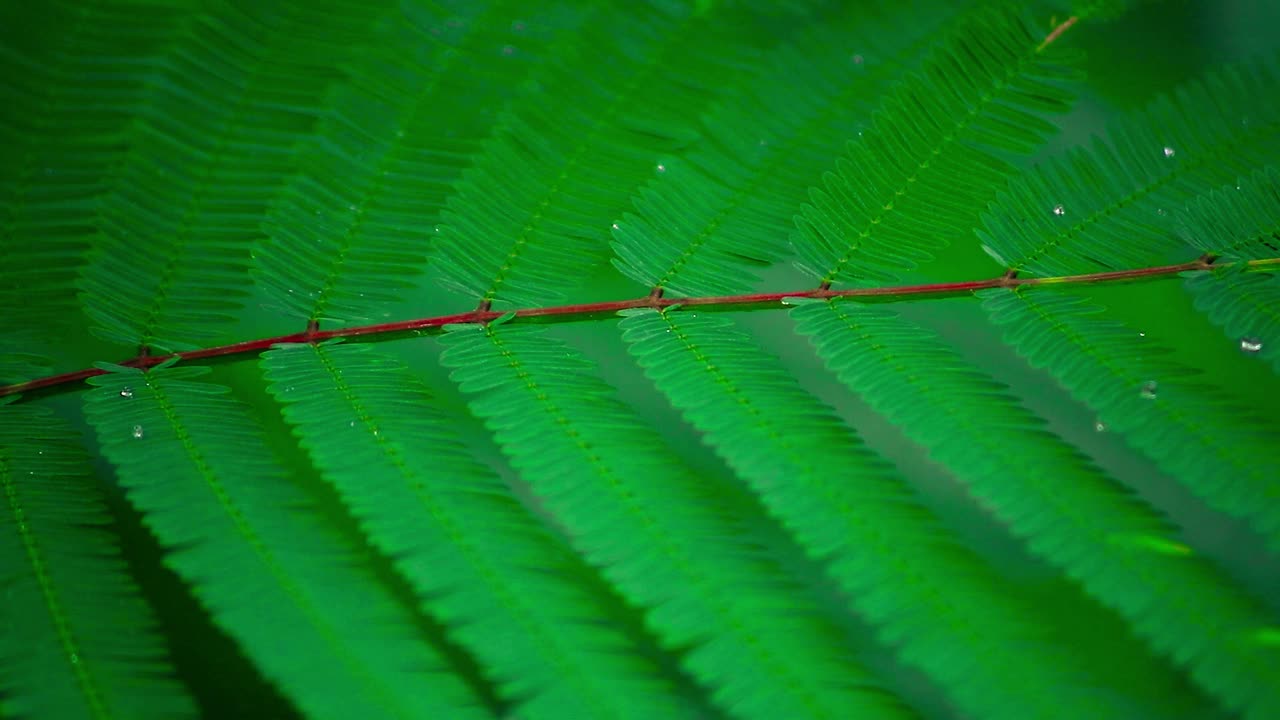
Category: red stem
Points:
column 652, row 300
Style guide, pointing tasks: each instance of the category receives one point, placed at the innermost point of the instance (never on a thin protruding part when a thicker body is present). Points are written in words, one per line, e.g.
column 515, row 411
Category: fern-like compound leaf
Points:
column 68, row 91
column 935, row 152
column 933, row 599
column 358, row 218
column 76, row 638
column 487, row 568
column 259, row 552
column 657, row 531
column 1114, row 207
column 1214, row 446
column 531, row 217
column 1239, row 222
column 1246, row 305
column 708, row 228
column 1065, row 509
column 208, row 152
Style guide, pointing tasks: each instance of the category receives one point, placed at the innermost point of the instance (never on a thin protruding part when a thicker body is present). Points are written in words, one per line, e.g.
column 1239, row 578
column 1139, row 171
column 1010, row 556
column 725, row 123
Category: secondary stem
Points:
column 313, row 334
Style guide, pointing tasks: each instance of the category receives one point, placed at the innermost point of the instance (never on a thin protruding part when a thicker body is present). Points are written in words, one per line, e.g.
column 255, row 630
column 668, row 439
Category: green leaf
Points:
column 1246, row 305
column 1065, row 509
column 931, row 598
column 1220, row 450
column 361, row 210
column 489, row 570
column 1114, row 207
column 531, row 217
column 935, row 152
column 751, row 639
column 262, row 557
column 77, row 639
column 708, row 229
column 205, row 160
column 67, row 101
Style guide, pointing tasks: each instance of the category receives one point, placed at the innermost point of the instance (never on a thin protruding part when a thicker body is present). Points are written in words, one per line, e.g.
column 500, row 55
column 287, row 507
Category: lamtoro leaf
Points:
column 602, row 474
column 1239, row 222
column 897, row 566
column 363, row 206
column 531, row 217
column 488, row 569
column 935, row 152
column 708, row 229
column 261, row 557
column 206, row 157
column 78, row 640
column 1114, row 206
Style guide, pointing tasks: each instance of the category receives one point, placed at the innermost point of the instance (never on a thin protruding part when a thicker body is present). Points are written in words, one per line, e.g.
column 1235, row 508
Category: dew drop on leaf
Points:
column 137, row 431
column 1168, row 151
column 1148, row 390
column 1059, row 210
column 126, row 392
column 1099, row 426
column 1250, row 345
column 661, row 168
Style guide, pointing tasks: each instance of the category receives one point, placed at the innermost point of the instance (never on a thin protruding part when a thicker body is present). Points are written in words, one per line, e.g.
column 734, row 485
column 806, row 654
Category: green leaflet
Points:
column 531, row 217
column 1066, row 510
column 1215, row 447
column 705, row 230
column 488, row 569
column 206, row 158
column 934, row 154
column 929, row 596
column 360, row 213
column 656, row 532
column 66, row 101
column 1114, row 207
column 78, row 640
column 261, row 556
column 1239, row 222
column 1246, row 305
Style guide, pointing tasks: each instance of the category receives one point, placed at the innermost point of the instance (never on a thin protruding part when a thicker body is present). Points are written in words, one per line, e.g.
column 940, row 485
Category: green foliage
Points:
column 1048, row 501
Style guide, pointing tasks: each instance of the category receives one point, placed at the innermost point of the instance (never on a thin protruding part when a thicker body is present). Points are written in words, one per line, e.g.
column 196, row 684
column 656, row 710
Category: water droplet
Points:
column 517, row 26
column 662, row 168
column 352, row 208
column 126, row 391
column 1168, row 151
column 1099, row 426
column 1141, row 334
column 1148, row 390
column 1161, row 212
column 508, row 50
column 1250, row 345
column 137, row 431
column 857, row 59
column 1059, row 210
column 75, row 659
column 615, row 226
